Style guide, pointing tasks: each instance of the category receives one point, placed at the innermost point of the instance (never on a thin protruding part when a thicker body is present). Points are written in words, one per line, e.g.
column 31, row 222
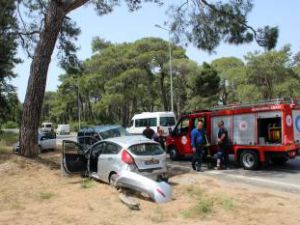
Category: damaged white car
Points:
column 108, row 159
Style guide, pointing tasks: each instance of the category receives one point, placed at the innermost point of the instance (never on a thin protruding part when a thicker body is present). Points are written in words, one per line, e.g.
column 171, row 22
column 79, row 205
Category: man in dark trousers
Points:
column 198, row 140
column 158, row 137
column 148, row 132
column 223, row 144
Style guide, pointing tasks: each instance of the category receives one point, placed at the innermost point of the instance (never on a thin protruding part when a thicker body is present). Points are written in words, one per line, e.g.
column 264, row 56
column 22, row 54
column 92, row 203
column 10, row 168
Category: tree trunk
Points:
column 37, row 80
column 163, row 92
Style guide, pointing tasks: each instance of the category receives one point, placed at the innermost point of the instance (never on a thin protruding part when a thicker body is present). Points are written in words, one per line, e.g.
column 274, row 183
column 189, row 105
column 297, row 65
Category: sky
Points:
column 123, row 26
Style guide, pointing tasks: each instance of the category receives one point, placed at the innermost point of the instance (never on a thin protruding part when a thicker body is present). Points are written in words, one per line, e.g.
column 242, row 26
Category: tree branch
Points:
column 70, row 5
column 212, row 7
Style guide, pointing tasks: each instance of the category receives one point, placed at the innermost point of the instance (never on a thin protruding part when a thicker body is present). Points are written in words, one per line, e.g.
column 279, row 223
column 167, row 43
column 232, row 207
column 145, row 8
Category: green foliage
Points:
column 207, row 23
column 120, row 80
column 203, row 88
column 271, row 73
column 87, row 183
column 8, row 138
column 10, row 125
column 8, row 46
column 46, row 195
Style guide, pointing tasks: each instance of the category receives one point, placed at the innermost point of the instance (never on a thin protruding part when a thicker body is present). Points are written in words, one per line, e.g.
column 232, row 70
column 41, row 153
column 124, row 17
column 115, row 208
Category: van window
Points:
column 152, row 122
column 167, row 121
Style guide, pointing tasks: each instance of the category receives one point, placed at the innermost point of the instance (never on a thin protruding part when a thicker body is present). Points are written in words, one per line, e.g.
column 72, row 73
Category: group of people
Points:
column 158, row 136
column 199, row 141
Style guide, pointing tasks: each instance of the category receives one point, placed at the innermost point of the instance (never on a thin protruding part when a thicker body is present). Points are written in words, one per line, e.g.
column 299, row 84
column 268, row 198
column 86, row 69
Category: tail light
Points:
column 127, row 158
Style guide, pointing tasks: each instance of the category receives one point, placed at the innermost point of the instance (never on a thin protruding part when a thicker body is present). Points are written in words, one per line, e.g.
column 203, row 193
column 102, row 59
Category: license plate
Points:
column 152, row 162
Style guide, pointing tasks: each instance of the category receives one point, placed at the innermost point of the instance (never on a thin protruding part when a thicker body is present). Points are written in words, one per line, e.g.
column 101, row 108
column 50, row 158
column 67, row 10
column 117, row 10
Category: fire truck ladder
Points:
column 257, row 103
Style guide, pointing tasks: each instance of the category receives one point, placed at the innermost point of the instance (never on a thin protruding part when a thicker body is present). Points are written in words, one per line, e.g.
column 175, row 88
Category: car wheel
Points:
column 279, row 161
column 112, row 179
column 249, row 160
column 173, row 153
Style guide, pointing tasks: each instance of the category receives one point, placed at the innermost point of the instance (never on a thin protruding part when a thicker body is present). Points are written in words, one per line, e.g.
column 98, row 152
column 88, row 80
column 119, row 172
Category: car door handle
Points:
column 110, row 158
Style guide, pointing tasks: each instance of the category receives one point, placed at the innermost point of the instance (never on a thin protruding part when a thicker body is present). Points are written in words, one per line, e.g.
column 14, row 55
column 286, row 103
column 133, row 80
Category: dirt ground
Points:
column 35, row 192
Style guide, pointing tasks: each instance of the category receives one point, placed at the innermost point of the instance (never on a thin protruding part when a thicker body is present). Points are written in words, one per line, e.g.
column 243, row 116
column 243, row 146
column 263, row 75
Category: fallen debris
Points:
column 131, row 202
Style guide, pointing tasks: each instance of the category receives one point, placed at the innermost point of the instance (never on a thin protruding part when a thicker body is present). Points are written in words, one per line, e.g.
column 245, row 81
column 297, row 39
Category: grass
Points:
column 87, row 183
column 8, row 138
column 45, row 195
column 195, row 192
column 158, row 215
column 205, row 203
column 227, row 203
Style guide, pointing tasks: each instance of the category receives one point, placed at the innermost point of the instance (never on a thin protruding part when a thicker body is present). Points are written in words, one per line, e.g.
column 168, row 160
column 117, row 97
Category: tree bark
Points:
column 37, row 79
column 163, row 92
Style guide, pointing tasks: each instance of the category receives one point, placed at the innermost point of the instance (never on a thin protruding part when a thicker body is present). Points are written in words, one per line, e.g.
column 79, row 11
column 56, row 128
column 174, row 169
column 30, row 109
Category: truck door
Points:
column 73, row 158
column 181, row 136
column 296, row 122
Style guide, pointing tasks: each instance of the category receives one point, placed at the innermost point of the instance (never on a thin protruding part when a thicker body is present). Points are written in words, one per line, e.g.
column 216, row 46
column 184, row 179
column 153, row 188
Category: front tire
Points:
column 173, row 153
column 249, row 160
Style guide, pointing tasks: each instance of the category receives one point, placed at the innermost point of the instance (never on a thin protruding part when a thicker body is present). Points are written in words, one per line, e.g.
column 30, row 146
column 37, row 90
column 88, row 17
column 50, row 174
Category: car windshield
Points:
column 146, row 149
column 116, row 132
column 167, row 121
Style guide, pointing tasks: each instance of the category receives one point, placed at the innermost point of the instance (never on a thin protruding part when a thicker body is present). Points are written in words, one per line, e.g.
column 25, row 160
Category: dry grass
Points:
column 38, row 194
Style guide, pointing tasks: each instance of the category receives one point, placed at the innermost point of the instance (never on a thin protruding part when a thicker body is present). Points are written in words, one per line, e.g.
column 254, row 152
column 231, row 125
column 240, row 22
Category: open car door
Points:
column 73, row 158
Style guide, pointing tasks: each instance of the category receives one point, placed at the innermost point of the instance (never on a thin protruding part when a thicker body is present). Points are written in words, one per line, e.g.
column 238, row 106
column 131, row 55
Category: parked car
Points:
column 63, row 129
column 46, row 141
column 91, row 135
column 107, row 158
column 165, row 120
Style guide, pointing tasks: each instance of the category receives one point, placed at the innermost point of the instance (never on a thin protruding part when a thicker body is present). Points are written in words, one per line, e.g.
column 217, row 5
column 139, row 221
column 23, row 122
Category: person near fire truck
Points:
column 198, row 141
column 223, row 143
column 159, row 138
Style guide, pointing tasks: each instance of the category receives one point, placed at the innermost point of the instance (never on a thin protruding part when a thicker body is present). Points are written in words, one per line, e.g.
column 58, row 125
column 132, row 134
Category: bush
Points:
column 8, row 138
column 10, row 125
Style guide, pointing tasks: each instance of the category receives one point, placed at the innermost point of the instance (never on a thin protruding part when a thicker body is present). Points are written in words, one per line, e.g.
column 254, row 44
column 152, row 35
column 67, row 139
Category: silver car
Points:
column 45, row 142
column 107, row 158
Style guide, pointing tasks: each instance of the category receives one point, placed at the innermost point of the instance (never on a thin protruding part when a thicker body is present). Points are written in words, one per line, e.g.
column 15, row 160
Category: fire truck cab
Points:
column 258, row 132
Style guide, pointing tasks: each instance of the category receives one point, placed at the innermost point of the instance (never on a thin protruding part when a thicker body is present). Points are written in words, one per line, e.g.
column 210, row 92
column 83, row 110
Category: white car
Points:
column 107, row 158
column 45, row 142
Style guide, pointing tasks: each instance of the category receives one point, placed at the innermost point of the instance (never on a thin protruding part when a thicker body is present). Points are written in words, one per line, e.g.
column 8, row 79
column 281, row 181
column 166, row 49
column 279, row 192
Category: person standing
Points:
column 223, row 145
column 198, row 140
column 148, row 132
column 158, row 137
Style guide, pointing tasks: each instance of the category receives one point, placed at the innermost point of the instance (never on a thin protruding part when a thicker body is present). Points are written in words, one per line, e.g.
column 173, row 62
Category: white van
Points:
column 47, row 127
column 139, row 122
column 63, row 129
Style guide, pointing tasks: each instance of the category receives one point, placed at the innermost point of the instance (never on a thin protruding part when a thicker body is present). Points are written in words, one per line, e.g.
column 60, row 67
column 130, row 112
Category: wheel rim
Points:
column 248, row 160
column 173, row 153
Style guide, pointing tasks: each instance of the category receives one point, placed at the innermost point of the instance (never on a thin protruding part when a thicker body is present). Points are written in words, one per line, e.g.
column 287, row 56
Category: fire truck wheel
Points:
column 173, row 153
column 249, row 160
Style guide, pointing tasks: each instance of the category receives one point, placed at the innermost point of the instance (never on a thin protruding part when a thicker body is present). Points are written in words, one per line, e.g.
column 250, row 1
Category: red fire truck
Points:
column 259, row 132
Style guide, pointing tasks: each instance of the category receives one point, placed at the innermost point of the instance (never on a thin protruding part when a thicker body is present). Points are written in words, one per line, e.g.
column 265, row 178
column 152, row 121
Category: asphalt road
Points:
column 285, row 177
